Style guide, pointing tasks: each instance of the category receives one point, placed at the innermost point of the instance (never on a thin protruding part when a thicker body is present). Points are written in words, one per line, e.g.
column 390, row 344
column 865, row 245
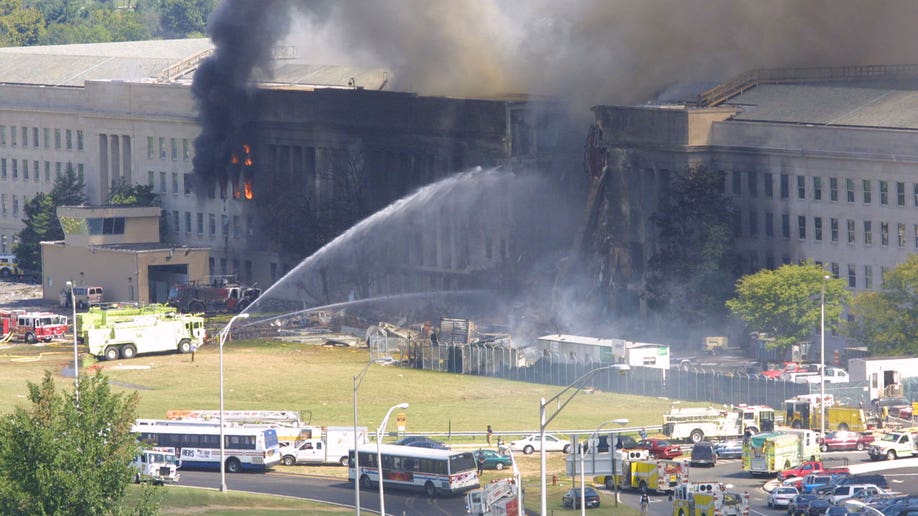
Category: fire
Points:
column 248, row 161
column 247, row 186
column 246, row 149
column 234, row 159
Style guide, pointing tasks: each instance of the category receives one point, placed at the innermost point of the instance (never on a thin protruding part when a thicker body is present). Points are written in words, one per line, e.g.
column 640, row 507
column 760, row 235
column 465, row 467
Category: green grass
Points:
column 178, row 500
column 271, row 375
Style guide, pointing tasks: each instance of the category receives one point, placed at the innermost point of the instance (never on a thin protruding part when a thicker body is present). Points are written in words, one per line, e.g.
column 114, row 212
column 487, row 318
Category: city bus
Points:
column 407, row 467
column 197, row 444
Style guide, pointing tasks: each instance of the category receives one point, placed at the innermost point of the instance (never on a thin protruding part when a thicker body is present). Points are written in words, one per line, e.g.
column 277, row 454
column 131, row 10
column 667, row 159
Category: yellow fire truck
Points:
column 767, row 454
column 638, row 471
column 708, row 499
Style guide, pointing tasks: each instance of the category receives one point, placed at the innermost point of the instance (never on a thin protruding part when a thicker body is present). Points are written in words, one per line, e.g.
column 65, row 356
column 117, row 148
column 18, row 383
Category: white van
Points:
column 82, row 296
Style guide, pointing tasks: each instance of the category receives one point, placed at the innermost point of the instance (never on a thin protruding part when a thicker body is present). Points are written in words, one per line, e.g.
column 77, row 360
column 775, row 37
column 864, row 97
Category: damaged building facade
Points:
column 329, row 148
column 820, row 162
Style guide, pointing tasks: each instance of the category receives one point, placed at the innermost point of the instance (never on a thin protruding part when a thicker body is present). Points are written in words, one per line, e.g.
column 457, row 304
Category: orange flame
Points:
column 248, row 161
column 247, row 185
column 246, row 148
column 234, row 159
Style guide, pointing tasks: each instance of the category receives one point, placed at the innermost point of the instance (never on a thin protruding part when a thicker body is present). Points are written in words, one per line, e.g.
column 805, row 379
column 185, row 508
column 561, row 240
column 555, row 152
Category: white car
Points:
column 781, row 496
column 532, row 443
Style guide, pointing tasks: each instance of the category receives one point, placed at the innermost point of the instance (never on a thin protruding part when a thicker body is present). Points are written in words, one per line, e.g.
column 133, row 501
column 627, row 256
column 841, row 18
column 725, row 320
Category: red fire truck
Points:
column 32, row 327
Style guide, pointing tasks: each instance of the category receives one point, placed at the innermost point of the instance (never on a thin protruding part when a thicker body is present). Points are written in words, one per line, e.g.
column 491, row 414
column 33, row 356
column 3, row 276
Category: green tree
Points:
column 692, row 272
column 785, row 303
column 183, row 18
column 20, row 26
column 123, row 194
column 70, row 455
column 887, row 321
column 41, row 222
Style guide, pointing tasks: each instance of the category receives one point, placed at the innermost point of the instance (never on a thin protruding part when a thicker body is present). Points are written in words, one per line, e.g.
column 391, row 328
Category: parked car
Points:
column 818, row 506
column 572, row 498
column 781, row 496
column 531, row 443
column 421, row 441
column 843, row 440
column 703, row 454
column 732, row 449
column 492, row 459
column 800, row 504
column 843, row 492
column 627, row 442
column 659, row 448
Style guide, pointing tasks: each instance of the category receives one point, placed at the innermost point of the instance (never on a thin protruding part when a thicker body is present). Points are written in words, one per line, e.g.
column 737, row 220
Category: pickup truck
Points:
column 809, row 467
column 894, row 445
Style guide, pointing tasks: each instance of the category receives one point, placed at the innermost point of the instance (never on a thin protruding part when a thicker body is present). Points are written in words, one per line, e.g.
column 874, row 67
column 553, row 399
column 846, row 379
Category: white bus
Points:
column 409, row 467
column 197, row 444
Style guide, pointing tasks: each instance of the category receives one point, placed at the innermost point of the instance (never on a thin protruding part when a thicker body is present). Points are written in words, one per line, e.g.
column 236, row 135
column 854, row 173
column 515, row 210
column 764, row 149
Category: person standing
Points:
column 645, row 503
column 490, row 432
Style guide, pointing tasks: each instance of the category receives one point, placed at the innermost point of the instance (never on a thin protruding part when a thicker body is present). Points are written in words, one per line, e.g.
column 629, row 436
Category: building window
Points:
column 817, row 188
column 79, row 139
column 237, row 230
column 80, row 171
column 57, row 169
column 15, row 205
column 46, row 138
column 151, row 147
column 187, row 222
column 69, row 139
column 769, row 224
column 835, row 269
column 868, row 233
column 173, row 143
column 900, row 194
column 884, row 193
column 35, row 137
column 47, row 171
column 188, row 183
column 175, row 221
column 753, row 223
column 224, row 225
column 105, row 226
column 849, row 185
column 770, row 189
column 868, row 277
column 162, row 148
column 785, row 225
column 212, row 224
column 15, row 163
column 3, row 144
column 833, row 189
column 867, row 196
column 13, row 135
column 852, row 276
column 3, row 168
column 801, row 187
column 151, row 178
column 737, row 183
column 200, row 220
column 25, row 170
column 785, row 186
column 900, row 234
column 753, row 183
column 162, row 182
column 186, row 149
column 3, row 206
column 801, row 227
column 833, row 225
column 25, row 137
column 817, row 229
column 57, row 139
column 884, row 234
column 36, row 171
column 175, row 186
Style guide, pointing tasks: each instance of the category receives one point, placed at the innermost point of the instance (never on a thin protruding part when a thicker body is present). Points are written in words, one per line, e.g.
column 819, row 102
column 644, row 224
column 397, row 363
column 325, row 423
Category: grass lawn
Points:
column 272, row 375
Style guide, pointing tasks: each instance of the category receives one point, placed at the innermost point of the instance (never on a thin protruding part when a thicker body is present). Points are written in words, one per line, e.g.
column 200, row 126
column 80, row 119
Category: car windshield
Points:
column 662, row 443
column 786, row 490
column 890, row 437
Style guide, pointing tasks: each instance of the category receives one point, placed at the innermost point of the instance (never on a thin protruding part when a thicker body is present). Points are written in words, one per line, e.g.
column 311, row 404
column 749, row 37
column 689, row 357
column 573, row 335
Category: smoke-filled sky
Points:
column 597, row 51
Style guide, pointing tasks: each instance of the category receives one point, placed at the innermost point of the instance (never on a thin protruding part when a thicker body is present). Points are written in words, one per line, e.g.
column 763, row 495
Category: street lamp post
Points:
column 545, row 419
column 621, row 421
column 76, row 356
column 224, row 333
column 822, row 357
column 358, row 378
column 379, row 433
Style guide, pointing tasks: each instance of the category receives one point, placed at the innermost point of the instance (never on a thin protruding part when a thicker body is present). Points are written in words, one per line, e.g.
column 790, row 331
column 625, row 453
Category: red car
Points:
column 840, row 440
column 659, row 448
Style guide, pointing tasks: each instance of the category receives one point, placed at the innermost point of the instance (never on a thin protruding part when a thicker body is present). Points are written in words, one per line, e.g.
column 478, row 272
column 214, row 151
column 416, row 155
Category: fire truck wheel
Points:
column 112, row 353
column 242, row 305
column 30, row 338
column 197, row 307
column 696, row 435
column 344, row 461
column 430, row 489
column 184, row 346
column 5, row 273
column 128, row 351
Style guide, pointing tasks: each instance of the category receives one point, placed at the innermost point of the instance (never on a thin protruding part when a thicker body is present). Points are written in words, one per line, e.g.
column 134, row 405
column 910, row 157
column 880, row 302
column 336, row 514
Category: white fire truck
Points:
column 709, row 499
column 697, row 423
column 157, row 465
column 126, row 333
column 32, row 327
column 496, row 498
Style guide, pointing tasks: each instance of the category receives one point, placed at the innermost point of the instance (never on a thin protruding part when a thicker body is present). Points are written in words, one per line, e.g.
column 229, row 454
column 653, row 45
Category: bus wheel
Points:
column 344, row 461
column 365, row 482
column 233, row 465
column 430, row 489
column 184, row 346
column 112, row 353
column 30, row 338
column 128, row 351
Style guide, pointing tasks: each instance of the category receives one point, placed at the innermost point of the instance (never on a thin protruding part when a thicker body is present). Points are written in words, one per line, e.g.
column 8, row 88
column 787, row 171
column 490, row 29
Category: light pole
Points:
column 621, row 421
column 379, row 433
column 224, row 333
column 358, row 378
column 76, row 356
column 544, row 419
column 822, row 357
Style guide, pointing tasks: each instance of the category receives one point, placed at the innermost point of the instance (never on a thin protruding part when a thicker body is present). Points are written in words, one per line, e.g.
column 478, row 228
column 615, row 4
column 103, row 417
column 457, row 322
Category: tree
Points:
column 887, row 321
column 123, row 194
column 183, row 18
column 64, row 457
column 785, row 303
column 41, row 222
column 691, row 274
column 20, row 26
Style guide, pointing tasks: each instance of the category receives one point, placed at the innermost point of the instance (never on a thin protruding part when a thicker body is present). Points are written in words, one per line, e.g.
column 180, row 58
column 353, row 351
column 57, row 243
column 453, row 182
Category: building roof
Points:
column 576, row 339
column 832, row 104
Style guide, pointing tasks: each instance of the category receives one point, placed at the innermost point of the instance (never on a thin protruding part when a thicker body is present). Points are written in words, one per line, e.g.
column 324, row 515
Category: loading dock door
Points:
column 161, row 277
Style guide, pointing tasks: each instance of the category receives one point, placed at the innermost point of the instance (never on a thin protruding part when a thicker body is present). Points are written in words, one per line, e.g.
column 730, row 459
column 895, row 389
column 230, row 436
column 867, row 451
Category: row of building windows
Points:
column 863, row 279
column 7, row 242
column 276, row 270
column 816, row 189
column 175, row 148
column 823, row 228
column 195, row 223
column 12, row 169
column 16, row 136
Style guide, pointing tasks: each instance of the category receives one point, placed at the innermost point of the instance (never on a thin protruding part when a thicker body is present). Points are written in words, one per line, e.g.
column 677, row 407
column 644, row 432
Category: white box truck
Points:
column 331, row 448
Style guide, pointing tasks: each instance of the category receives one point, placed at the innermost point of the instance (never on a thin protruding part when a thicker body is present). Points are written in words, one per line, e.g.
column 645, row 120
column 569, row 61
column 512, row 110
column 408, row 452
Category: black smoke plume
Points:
column 244, row 33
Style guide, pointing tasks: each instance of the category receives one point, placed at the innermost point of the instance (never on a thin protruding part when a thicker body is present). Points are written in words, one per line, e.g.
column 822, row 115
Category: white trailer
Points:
column 331, row 448
column 883, row 374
